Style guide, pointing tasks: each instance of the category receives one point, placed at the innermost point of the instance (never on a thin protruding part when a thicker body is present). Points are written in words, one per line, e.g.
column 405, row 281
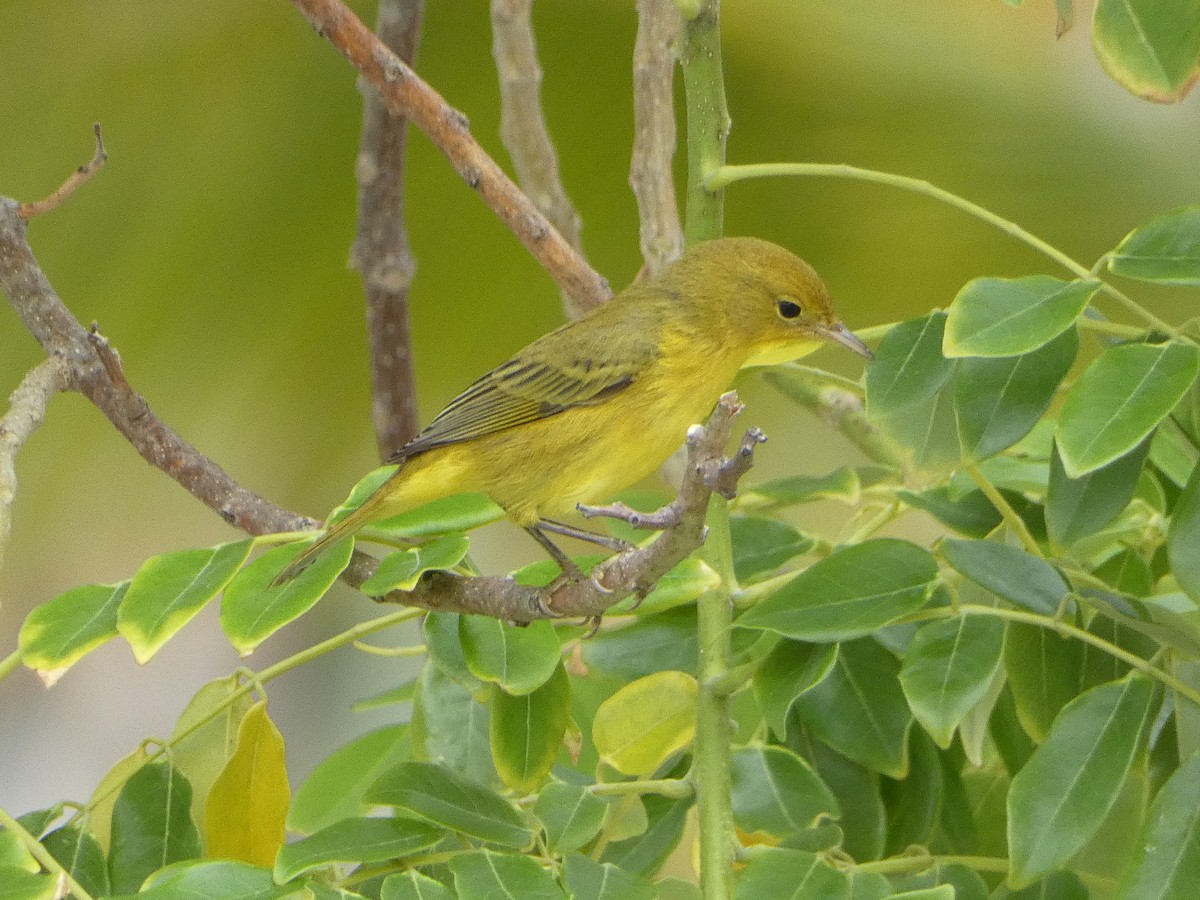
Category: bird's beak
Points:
column 840, row 334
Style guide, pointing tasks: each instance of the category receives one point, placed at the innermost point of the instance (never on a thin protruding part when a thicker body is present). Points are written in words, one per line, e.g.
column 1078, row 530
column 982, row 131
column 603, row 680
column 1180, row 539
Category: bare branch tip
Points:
column 27, row 211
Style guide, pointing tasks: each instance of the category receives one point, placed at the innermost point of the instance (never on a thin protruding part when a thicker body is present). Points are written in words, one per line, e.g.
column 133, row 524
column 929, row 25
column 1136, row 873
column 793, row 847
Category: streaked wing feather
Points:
column 531, row 387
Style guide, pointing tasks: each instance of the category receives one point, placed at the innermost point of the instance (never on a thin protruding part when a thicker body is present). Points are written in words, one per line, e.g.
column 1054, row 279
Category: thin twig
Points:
column 651, row 172
column 381, row 252
column 27, row 410
column 74, row 181
column 523, row 125
column 406, row 94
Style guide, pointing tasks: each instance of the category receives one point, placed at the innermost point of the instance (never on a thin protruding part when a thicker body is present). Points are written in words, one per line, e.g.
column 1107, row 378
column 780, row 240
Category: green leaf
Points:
column 571, row 815
column 412, row 885
column 683, row 584
column 998, row 401
column 169, row 590
column 251, row 611
column 1061, row 796
column 850, row 593
column 403, row 569
column 335, row 789
column 908, row 368
column 840, row 484
column 527, row 732
column 491, row 876
column 355, row 840
column 927, row 432
column 1043, row 674
column 17, row 884
column 1008, row 572
column 1078, row 507
column 761, row 546
column 1169, row 866
column 1165, row 249
column 789, row 670
column 791, row 875
column 1183, row 537
column 61, row 631
column 151, row 825
column 859, row 709
column 458, row 512
column 645, row 853
column 948, row 668
column 649, row 645
column 588, row 880
column 1149, row 47
column 518, row 659
column 646, row 722
column 447, row 799
column 248, row 802
column 915, row 802
column 450, row 725
column 210, row 880
column 864, row 819
column 81, row 855
column 1060, row 885
column 1120, row 399
column 1011, row 316
column 775, row 792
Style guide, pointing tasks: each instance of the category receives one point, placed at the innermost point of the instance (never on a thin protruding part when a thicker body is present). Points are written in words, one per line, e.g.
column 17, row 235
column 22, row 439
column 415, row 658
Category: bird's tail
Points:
column 368, row 511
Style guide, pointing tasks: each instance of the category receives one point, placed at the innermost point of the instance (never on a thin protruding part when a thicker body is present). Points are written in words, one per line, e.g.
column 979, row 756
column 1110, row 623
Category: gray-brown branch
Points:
column 523, row 125
column 651, row 171
column 381, row 252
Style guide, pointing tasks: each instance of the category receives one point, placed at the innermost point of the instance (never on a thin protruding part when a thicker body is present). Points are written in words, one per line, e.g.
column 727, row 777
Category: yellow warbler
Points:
column 599, row 403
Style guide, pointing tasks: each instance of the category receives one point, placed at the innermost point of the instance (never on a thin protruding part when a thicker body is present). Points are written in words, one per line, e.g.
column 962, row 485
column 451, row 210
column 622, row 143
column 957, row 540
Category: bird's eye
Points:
column 787, row 308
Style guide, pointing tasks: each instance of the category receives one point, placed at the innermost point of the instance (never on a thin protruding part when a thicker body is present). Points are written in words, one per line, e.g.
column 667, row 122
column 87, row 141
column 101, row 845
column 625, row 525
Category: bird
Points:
column 595, row 405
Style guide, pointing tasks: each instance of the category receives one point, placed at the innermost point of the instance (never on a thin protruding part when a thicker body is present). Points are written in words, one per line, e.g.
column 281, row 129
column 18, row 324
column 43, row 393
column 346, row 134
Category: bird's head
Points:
column 766, row 298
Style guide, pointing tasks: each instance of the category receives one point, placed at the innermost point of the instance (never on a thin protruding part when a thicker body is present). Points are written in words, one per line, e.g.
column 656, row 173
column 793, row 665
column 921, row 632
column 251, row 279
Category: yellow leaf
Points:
column 646, row 722
column 248, row 802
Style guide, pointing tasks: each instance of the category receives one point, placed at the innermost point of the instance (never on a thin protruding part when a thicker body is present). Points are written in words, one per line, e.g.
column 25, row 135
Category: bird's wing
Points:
column 558, row 372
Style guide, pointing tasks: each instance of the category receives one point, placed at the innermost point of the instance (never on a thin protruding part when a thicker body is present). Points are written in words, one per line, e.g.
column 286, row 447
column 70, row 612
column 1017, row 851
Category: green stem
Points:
column 707, row 129
column 727, row 175
column 9, row 663
column 920, row 862
column 677, row 788
column 1064, row 629
column 42, row 855
column 710, row 767
column 1010, row 516
column 707, row 120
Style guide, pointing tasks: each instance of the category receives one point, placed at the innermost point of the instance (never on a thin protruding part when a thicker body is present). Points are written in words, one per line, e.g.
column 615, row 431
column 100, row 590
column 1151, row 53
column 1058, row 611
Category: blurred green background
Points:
column 212, row 251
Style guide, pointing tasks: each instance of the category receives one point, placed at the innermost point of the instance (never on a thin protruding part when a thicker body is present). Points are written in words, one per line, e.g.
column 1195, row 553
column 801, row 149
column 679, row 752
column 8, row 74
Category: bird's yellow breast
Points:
column 584, row 454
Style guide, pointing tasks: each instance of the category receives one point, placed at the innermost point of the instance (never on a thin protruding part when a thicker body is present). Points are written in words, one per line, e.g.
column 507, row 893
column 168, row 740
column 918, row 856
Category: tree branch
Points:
column 26, row 412
column 406, row 94
column 381, row 252
column 93, row 368
column 523, row 126
column 651, row 172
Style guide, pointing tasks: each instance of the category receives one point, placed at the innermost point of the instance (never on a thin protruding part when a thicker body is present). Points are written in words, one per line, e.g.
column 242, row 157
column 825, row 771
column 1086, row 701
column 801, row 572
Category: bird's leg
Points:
column 556, row 553
column 581, row 534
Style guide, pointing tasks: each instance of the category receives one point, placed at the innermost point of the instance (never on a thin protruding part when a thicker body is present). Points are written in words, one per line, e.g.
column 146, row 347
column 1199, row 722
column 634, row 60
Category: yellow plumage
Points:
column 599, row 403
